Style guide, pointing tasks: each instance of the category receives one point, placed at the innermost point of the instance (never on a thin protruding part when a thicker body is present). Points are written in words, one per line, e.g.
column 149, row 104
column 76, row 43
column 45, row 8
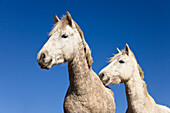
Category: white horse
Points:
column 86, row 93
column 125, row 69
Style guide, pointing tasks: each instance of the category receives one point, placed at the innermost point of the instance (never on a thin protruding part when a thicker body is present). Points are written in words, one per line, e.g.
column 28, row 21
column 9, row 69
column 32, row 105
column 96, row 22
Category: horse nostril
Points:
column 101, row 75
column 42, row 56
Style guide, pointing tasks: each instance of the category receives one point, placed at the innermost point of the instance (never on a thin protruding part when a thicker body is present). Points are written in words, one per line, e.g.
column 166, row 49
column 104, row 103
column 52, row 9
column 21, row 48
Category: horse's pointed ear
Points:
column 56, row 19
column 69, row 19
column 127, row 49
column 118, row 51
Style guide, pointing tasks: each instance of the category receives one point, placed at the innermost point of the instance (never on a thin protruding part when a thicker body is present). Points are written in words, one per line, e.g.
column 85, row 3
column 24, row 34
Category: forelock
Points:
column 114, row 57
column 59, row 25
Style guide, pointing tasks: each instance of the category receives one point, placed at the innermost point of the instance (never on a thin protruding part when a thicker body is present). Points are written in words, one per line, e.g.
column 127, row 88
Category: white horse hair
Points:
column 86, row 93
column 125, row 69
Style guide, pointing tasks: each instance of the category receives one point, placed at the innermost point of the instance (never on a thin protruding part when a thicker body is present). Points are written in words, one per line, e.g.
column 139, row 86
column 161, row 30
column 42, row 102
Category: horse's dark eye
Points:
column 121, row 61
column 64, row 36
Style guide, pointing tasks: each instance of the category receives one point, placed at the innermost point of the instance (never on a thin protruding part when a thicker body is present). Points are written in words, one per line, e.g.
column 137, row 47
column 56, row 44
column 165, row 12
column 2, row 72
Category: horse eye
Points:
column 64, row 36
column 121, row 61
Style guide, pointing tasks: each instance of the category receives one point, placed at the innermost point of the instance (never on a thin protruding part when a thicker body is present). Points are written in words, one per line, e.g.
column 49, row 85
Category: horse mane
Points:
column 86, row 47
column 138, row 66
column 63, row 22
column 141, row 73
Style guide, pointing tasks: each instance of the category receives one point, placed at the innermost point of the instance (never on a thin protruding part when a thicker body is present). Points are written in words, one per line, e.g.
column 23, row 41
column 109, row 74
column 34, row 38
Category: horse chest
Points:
column 86, row 103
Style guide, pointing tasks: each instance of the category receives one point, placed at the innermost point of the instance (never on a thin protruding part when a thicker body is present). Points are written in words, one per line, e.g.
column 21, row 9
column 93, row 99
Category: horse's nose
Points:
column 41, row 58
column 101, row 76
column 104, row 78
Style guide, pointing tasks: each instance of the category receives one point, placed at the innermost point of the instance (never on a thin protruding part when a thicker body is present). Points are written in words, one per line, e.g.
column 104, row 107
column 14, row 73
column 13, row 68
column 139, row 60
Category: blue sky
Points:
column 24, row 25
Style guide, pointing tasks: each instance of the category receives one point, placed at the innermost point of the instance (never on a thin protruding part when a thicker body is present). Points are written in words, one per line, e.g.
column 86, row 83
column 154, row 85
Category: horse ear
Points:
column 127, row 49
column 118, row 51
column 69, row 19
column 56, row 19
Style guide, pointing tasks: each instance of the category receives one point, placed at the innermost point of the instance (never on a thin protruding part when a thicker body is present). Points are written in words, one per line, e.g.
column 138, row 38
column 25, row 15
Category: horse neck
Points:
column 136, row 92
column 79, row 72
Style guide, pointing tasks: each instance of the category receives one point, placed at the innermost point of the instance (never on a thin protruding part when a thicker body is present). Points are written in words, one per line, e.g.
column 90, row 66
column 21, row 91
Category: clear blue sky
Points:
column 24, row 25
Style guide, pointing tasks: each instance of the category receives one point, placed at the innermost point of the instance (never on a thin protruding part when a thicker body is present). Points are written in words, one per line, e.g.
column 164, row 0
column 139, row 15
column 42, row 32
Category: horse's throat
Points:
column 79, row 72
column 135, row 92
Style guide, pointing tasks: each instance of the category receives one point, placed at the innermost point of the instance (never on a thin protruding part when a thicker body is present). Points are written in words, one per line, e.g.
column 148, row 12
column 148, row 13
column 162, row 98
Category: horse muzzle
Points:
column 105, row 79
column 44, row 61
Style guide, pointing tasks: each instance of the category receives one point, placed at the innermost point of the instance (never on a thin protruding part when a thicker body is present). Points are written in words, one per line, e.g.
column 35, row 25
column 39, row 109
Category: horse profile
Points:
column 125, row 69
column 86, row 92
